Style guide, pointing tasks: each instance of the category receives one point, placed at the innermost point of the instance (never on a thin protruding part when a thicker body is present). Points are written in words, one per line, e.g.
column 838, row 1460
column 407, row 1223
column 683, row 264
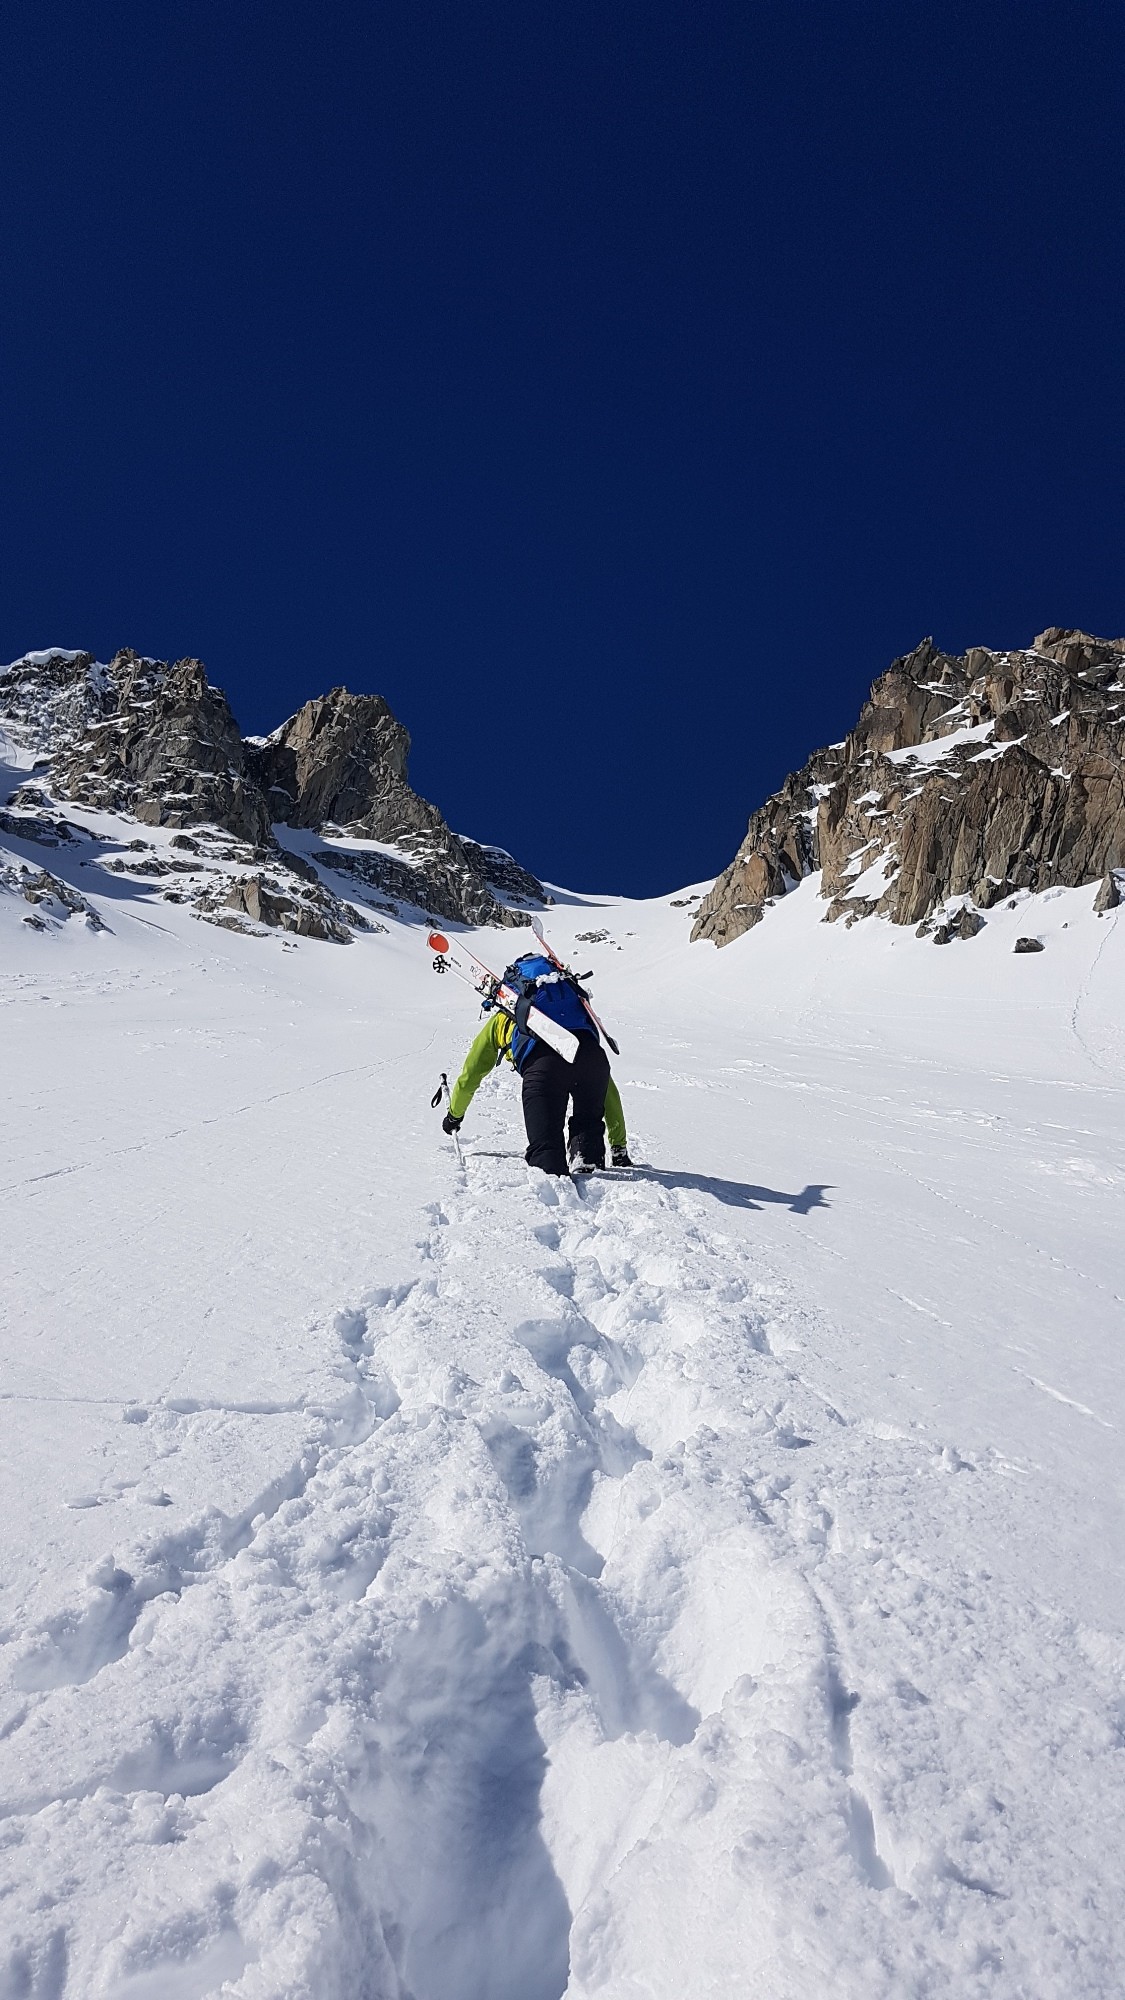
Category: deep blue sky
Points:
column 616, row 388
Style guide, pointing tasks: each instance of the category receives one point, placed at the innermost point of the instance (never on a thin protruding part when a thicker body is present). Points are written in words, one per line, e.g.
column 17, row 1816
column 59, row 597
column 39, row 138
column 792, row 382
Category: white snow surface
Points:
column 426, row 1583
column 940, row 747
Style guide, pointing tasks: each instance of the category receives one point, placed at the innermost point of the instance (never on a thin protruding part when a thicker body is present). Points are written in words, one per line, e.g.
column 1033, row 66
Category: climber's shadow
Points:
column 739, row 1194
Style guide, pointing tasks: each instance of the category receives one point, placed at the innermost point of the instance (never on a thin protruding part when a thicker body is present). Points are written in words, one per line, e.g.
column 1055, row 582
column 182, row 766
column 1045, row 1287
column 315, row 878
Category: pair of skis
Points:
column 493, row 992
column 457, row 958
column 603, row 1031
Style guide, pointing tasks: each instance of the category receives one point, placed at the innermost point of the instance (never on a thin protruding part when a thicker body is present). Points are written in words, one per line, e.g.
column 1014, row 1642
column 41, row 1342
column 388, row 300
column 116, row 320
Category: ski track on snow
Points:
column 1112, row 1069
column 98, row 1162
column 562, row 1647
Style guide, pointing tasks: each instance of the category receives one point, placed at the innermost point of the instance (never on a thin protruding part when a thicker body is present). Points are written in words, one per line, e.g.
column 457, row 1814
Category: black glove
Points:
column 451, row 1124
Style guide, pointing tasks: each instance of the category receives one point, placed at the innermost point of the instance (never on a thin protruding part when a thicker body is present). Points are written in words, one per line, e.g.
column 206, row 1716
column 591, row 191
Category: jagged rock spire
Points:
column 969, row 776
column 158, row 743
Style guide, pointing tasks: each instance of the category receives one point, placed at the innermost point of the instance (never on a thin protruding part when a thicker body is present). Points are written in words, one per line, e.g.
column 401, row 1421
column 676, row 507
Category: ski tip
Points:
column 537, row 926
column 437, row 942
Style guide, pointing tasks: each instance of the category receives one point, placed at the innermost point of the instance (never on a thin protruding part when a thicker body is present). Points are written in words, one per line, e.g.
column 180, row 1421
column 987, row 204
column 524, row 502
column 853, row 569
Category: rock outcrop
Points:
column 341, row 760
column 157, row 743
column 140, row 737
column 311, row 912
column 340, row 765
column 52, row 902
column 970, row 777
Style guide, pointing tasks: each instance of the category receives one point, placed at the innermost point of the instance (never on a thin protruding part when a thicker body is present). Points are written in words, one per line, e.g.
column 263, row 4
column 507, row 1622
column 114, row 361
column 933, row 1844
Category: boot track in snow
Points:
column 538, row 1661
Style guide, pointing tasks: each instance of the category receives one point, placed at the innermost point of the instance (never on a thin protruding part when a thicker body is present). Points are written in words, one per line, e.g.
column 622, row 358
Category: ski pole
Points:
column 443, row 1090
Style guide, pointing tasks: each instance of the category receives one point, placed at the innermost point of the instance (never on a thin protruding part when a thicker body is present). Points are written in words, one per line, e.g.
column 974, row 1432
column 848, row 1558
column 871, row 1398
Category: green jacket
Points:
column 490, row 1047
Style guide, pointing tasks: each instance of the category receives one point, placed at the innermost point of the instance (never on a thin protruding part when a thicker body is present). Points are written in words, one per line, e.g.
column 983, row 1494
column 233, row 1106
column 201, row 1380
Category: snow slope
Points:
column 436, row 1584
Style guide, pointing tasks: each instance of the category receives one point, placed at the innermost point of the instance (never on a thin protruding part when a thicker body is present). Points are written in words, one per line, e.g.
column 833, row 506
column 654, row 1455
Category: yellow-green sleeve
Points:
column 614, row 1116
column 481, row 1060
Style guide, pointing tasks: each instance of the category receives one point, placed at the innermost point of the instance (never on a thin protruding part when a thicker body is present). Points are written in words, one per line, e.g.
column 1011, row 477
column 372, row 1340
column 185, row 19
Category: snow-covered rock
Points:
column 157, row 744
column 963, row 776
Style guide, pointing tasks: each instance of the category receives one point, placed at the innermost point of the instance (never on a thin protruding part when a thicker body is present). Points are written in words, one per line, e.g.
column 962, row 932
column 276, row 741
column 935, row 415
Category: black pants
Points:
column 549, row 1083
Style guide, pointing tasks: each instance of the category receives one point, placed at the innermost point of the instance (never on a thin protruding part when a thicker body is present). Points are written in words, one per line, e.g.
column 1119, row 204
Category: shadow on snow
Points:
column 738, row 1194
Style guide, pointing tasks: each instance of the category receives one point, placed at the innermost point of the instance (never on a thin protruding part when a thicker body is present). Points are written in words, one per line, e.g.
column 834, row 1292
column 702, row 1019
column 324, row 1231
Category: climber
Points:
column 550, row 1083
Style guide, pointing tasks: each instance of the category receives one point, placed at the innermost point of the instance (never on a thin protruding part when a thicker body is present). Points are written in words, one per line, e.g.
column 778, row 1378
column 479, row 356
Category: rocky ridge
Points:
column 339, row 766
column 52, row 902
column 972, row 777
column 157, row 743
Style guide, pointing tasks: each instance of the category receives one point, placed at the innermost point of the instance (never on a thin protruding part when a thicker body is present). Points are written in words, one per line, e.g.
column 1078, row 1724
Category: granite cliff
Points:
column 967, row 777
column 157, row 743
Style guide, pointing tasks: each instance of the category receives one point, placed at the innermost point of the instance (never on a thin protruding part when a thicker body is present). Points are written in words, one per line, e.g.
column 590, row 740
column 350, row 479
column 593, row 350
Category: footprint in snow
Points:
column 350, row 1326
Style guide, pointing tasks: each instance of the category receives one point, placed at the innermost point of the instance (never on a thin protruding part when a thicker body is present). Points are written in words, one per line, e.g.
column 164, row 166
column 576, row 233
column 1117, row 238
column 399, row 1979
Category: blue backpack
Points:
column 541, row 984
